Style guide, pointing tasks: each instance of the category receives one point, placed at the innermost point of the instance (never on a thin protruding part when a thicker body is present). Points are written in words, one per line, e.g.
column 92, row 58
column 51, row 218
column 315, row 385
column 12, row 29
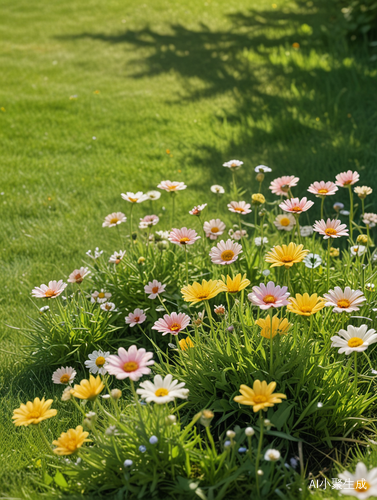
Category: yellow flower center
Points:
column 136, row 319
column 305, row 309
column 161, row 392
column 355, row 342
column 172, row 188
column 50, row 293
column 155, row 289
column 114, row 221
column 35, row 414
column 296, row 209
column 100, row 361
column 130, row 366
column 269, row 299
column 175, row 326
column 107, row 307
column 201, row 295
column 343, row 303
column 285, row 221
column 70, row 444
column 215, row 230
column 133, row 200
column 101, row 295
column 286, row 258
column 330, row 231
column 184, row 240
column 260, row 398
column 361, row 485
column 64, row 379
column 238, row 209
column 323, row 191
column 227, row 255
column 346, row 183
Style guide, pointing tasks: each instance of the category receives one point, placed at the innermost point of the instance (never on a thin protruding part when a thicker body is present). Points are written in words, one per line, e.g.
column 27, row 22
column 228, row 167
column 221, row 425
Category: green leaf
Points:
column 60, row 480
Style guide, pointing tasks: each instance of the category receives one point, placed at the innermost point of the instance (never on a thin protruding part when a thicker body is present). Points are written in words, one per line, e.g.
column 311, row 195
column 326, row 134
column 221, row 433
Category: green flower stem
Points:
column 298, row 228
column 328, row 263
column 234, row 182
column 186, row 253
column 271, row 344
column 322, row 203
column 172, row 210
column 44, row 439
column 162, row 303
column 355, row 377
column 209, row 315
column 210, row 438
column 79, row 407
column 138, row 407
column 240, row 311
column 259, row 450
column 351, row 211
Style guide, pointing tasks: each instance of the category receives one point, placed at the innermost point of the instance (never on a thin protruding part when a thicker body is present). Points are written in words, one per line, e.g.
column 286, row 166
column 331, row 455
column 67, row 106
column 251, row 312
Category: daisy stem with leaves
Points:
column 328, row 262
column 351, row 210
column 172, row 210
column 271, row 343
column 355, row 377
column 186, row 254
column 322, row 203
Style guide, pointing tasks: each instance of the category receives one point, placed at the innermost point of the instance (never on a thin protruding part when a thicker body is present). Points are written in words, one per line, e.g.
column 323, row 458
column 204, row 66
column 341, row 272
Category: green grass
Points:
column 207, row 80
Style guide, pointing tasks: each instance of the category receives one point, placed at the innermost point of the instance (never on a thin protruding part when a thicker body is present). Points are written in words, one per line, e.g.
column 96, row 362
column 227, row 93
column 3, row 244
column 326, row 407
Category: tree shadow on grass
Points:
column 305, row 109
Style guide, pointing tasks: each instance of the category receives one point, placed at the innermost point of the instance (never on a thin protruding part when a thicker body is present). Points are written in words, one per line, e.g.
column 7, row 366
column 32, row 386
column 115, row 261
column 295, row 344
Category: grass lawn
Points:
column 102, row 98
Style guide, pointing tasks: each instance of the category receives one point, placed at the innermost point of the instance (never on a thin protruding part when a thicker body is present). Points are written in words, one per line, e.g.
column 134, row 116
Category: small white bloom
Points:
column 363, row 483
column 117, row 257
column 233, row 164
column 66, row 396
column 163, row 235
column 231, row 434
column 78, row 275
column 96, row 362
column 344, row 212
column 100, row 297
column 138, row 197
column 114, row 219
column 312, row 260
column 97, row 253
column 266, row 272
column 358, row 250
column 44, row 309
column 153, row 195
column 262, row 169
column 306, row 231
column 249, row 431
column 272, row 455
column 370, row 287
column 319, row 404
column 217, row 189
column 108, row 307
column 258, row 241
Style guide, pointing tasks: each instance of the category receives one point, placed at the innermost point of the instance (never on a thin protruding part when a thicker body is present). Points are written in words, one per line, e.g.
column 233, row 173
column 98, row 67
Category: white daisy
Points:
column 344, row 301
column 96, row 362
column 100, row 297
column 64, row 375
column 285, row 222
column 162, row 390
column 51, row 291
column 238, row 234
column 233, row 164
column 108, row 306
column 172, row 186
column 138, row 197
column 214, row 228
column 306, row 231
column 354, row 339
column 114, row 219
column 217, row 189
column 117, row 257
column 361, row 484
column 78, row 275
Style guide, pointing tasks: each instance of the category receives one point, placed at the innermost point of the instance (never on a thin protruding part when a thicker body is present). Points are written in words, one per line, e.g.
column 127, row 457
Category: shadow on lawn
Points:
column 306, row 111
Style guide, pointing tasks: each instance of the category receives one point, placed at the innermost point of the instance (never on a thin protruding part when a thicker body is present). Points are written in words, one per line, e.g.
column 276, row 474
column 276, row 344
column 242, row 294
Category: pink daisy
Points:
column 214, row 228
column 323, row 188
column 51, row 291
column 269, row 296
column 154, row 288
column 296, row 206
column 239, row 207
column 347, row 178
column 225, row 252
column 198, row 209
column 183, row 236
column 148, row 221
column 114, row 219
column 172, row 186
column 347, row 301
column 173, row 323
column 330, row 228
column 78, row 275
column 131, row 364
column 282, row 185
column 136, row 318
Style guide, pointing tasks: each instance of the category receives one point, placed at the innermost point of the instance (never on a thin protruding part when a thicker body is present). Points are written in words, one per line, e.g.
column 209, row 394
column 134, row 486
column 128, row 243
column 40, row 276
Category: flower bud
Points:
column 231, row 434
column 141, row 261
column 206, row 418
column 249, row 431
column 127, row 463
column 260, row 177
column 116, row 394
column 258, row 199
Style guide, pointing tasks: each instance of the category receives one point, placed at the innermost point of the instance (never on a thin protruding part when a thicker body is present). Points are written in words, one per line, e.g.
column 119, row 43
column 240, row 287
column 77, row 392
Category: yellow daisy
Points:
column 33, row 412
column 260, row 397
column 186, row 343
column 234, row 285
column 88, row 389
column 70, row 441
column 286, row 255
column 280, row 326
column 306, row 305
column 197, row 292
